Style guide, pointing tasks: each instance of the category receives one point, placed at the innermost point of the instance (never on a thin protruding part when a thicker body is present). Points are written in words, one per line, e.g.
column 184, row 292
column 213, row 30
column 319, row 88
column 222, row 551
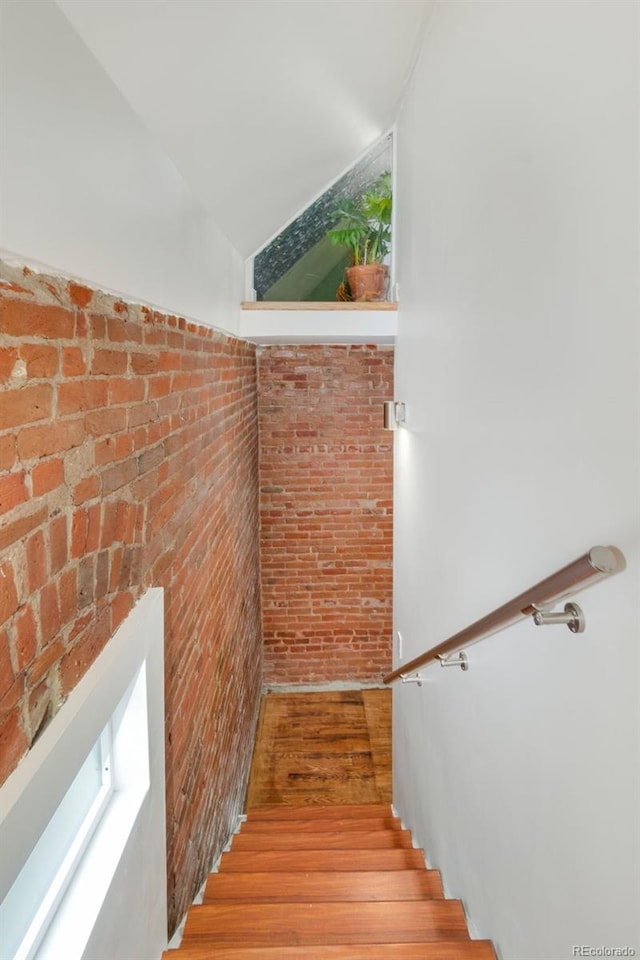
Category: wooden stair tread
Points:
column 252, row 861
column 321, row 812
column 326, row 883
column 317, row 886
column 302, row 924
column 340, row 840
column 309, row 825
column 436, row 950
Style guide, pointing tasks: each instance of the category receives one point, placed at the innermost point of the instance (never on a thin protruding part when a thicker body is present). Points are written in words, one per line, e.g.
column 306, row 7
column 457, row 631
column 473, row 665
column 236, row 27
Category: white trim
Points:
column 318, row 326
column 63, row 877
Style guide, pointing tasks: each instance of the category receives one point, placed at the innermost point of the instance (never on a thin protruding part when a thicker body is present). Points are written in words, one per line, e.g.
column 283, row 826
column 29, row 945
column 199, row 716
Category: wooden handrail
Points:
column 597, row 563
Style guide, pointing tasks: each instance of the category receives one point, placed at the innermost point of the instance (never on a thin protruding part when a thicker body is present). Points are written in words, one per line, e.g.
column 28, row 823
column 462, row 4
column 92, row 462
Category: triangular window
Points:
column 301, row 263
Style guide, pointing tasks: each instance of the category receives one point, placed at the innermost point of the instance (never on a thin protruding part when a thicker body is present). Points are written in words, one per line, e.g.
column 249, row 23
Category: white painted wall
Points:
column 517, row 356
column 281, row 86
column 87, row 191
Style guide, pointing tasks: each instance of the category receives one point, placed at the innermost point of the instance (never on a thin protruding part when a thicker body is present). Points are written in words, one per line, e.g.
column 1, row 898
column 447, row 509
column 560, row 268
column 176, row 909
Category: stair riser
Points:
column 360, row 840
column 276, row 827
column 344, row 886
column 313, row 812
column 308, row 860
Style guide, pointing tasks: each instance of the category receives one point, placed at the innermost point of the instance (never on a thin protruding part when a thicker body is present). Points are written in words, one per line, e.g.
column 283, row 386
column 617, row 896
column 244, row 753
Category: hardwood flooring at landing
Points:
column 323, row 748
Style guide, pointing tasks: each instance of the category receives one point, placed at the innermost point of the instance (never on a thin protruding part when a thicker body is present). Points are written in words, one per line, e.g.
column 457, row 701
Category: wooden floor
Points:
column 322, row 748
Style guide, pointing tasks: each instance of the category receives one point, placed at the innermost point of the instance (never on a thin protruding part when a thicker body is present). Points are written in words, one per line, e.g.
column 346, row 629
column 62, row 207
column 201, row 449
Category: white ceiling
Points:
column 259, row 103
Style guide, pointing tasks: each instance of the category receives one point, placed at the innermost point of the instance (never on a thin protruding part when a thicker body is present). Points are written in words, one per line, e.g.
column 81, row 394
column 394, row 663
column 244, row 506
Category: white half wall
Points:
column 517, row 357
column 117, row 908
column 86, row 191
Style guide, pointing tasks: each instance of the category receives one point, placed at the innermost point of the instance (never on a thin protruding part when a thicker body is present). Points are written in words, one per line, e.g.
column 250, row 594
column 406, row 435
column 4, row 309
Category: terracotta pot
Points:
column 368, row 281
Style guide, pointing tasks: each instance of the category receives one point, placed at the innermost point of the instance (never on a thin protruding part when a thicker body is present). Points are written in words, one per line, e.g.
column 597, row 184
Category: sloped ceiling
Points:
column 259, row 103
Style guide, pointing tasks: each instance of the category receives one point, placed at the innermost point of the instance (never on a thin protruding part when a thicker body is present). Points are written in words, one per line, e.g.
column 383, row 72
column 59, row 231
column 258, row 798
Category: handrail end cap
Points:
column 607, row 560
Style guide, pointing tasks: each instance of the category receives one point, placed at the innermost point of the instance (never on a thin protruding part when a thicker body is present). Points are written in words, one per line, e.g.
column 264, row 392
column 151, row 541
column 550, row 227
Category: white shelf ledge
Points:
column 292, row 323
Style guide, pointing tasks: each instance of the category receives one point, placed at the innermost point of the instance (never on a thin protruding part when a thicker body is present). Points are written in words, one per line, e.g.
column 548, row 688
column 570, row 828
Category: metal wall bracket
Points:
column 572, row 616
column 460, row 660
column 418, row 678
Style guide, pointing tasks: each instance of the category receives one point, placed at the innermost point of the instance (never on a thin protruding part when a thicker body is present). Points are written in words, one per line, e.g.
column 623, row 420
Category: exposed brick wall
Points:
column 325, row 512
column 128, row 459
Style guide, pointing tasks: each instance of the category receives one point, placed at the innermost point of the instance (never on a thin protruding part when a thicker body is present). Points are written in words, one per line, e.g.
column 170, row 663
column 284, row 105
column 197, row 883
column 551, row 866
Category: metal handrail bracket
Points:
column 596, row 564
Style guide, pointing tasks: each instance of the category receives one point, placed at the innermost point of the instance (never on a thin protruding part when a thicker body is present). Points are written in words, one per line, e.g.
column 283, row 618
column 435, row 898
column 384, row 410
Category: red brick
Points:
column 109, row 523
column 7, row 451
column 170, row 360
column 80, row 395
column 58, row 544
column 141, row 413
column 8, row 592
column 73, row 362
column 20, row 319
column 50, row 438
column 13, row 743
column 79, row 528
column 113, row 448
column 79, row 295
column 41, row 666
column 87, row 489
column 108, row 421
column 41, row 360
column 87, row 647
column 109, row 362
column 8, row 357
column 6, row 670
column 82, row 327
column 127, row 390
column 36, row 561
column 94, row 528
column 49, row 613
column 11, row 533
column 47, row 476
column 67, row 595
column 125, row 522
column 144, row 363
column 115, row 569
column 120, row 608
column 25, row 405
column 120, row 331
column 13, row 696
column 150, row 459
column 12, row 491
column 26, row 640
column 159, row 387
column 102, row 574
column 115, row 477
column 98, row 326
column 155, row 337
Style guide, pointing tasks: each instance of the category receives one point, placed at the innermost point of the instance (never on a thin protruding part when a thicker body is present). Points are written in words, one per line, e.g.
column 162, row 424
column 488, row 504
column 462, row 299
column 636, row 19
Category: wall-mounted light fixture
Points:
column 395, row 413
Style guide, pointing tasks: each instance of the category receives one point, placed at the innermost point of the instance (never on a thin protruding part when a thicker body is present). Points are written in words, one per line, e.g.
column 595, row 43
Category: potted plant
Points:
column 364, row 227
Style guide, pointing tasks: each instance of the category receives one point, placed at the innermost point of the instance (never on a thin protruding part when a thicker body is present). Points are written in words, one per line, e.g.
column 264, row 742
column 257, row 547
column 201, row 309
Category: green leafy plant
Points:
column 364, row 225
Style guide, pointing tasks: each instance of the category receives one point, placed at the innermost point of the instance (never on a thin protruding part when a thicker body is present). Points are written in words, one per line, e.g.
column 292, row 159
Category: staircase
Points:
column 326, row 883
